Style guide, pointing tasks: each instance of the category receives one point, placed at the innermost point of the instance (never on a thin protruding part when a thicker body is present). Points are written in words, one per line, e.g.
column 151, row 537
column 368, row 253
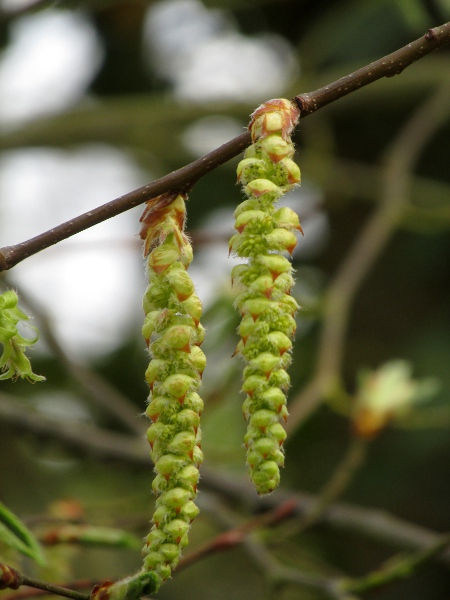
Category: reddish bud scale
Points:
column 265, row 235
column 173, row 330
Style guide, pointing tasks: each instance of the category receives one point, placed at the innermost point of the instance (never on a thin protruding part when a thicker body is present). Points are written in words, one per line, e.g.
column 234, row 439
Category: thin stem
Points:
column 396, row 568
column 11, row 578
column 82, row 584
column 92, row 384
column 335, row 486
column 373, row 524
column 236, row 535
column 183, row 179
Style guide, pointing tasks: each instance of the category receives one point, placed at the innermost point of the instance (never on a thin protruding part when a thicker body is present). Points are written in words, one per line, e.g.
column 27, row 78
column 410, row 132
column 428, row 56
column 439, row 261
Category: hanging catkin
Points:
column 265, row 235
column 173, row 333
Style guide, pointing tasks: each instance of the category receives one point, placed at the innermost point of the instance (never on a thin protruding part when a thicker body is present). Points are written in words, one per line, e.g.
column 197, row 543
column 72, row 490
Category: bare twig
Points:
column 184, row 178
column 333, row 489
column 80, row 436
column 396, row 568
column 92, row 384
column 236, row 535
column 80, row 584
column 11, row 578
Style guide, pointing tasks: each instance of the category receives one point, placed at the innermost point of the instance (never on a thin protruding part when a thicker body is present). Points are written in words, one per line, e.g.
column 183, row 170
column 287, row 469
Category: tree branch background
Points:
column 373, row 278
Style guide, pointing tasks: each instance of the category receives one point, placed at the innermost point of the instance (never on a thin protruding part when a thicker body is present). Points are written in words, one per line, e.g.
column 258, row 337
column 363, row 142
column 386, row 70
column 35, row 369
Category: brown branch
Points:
column 95, row 387
column 184, row 178
column 80, row 584
column 371, row 523
column 235, row 536
column 11, row 578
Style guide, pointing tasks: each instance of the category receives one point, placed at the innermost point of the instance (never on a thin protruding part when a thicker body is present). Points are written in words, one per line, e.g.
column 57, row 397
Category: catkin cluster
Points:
column 265, row 235
column 13, row 361
column 174, row 334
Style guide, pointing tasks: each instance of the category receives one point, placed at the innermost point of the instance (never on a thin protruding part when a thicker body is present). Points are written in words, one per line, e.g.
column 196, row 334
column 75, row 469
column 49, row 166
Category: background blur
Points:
column 98, row 98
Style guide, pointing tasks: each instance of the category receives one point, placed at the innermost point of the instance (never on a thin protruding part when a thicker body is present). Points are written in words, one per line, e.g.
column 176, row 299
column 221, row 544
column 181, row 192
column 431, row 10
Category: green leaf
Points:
column 14, row 534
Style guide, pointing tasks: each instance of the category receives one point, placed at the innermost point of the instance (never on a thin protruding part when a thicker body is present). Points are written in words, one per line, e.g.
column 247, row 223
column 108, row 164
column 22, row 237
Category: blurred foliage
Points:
column 401, row 310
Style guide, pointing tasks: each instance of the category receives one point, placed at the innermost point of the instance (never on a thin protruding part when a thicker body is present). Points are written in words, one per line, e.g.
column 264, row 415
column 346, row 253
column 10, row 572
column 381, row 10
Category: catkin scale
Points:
column 265, row 234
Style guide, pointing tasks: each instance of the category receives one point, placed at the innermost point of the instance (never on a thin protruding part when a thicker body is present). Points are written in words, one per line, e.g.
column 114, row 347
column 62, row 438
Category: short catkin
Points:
column 174, row 334
column 264, row 235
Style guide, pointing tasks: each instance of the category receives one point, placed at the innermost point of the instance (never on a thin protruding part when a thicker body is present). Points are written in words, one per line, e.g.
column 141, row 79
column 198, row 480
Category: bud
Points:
column 181, row 282
column 287, row 173
column 276, row 148
column 265, row 362
column 163, row 256
column 152, row 560
column 266, row 478
column 274, row 399
column 199, row 335
column 193, row 307
column 277, row 431
column 263, row 187
column 157, row 405
column 177, row 337
column 198, row 359
column 182, row 443
column 280, row 379
column 178, row 385
column 177, row 528
column 189, row 476
column 159, row 484
column 154, row 432
column 246, row 327
column 261, row 419
column 162, row 515
column 169, row 552
column 155, row 538
column 189, row 512
column 256, row 307
column 286, row 218
column 249, row 169
column 150, row 323
column 168, row 463
column 156, row 371
column 175, row 498
column 197, row 456
column 249, row 217
column 187, row 419
column 281, row 239
column 254, row 384
column 276, row 264
column 280, row 341
column 263, row 285
column 194, row 402
column 251, row 204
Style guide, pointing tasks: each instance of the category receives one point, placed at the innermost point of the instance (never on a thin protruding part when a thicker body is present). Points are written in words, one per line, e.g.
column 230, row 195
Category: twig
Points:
column 333, row 489
column 371, row 523
column 80, row 584
column 11, row 578
column 396, row 568
column 81, row 436
column 236, row 535
column 94, row 385
column 187, row 176
column 372, row 240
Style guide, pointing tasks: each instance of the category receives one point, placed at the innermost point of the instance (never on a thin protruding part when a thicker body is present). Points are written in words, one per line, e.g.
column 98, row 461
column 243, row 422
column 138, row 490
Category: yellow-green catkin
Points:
column 13, row 361
column 174, row 334
column 265, row 234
